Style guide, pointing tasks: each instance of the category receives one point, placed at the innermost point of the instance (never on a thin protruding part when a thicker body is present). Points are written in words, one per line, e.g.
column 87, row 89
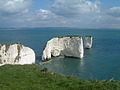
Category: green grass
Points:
column 32, row 77
column 71, row 36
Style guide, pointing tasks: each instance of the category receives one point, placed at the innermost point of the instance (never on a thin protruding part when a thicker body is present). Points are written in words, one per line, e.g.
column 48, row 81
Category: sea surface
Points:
column 101, row 62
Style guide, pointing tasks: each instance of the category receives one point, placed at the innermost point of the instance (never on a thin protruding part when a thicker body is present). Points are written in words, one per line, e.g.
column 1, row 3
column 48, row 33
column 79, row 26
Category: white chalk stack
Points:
column 88, row 40
column 71, row 46
column 16, row 54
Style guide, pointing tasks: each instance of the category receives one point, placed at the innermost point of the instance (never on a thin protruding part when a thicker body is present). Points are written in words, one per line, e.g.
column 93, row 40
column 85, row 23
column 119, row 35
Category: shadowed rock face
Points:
column 88, row 40
column 71, row 46
column 16, row 54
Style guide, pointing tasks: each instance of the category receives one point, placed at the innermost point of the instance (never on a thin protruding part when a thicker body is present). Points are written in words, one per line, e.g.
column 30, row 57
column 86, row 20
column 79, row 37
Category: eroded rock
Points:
column 16, row 54
column 88, row 40
column 70, row 46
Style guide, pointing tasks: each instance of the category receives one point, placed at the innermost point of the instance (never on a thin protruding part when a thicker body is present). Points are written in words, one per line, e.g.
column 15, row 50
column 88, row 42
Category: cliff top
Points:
column 71, row 36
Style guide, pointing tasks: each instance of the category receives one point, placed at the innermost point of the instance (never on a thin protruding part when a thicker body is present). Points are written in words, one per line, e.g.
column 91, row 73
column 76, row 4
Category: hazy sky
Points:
column 60, row 13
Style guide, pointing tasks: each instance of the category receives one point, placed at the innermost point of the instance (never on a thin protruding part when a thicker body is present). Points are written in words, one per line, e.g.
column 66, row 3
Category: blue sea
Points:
column 101, row 62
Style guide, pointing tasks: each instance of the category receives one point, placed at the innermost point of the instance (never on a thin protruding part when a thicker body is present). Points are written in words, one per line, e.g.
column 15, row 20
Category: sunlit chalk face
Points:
column 70, row 46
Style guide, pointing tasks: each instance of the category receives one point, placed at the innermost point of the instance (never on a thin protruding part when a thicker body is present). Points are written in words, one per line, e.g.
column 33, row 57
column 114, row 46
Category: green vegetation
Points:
column 32, row 77
column 69, row 36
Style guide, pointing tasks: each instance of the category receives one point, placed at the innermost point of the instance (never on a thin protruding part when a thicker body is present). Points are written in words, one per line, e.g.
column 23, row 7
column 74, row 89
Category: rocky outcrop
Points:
column 16, row 54
column 88, row 40
column 70, row 46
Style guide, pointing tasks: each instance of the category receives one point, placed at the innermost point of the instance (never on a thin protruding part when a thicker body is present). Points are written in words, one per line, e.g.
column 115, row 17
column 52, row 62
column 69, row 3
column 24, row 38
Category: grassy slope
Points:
column 31, row 77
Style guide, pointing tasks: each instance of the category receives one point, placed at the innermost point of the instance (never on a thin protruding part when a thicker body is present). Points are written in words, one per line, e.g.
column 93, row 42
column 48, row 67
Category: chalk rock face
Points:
column 16, row 54
column 71, row 46
column 88, row 40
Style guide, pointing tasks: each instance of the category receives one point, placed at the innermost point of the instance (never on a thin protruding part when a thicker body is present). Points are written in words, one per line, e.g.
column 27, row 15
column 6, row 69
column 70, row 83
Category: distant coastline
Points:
column 76, row 28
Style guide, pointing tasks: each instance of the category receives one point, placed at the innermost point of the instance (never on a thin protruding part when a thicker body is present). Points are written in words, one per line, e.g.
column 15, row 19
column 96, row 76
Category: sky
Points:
column 60, row 13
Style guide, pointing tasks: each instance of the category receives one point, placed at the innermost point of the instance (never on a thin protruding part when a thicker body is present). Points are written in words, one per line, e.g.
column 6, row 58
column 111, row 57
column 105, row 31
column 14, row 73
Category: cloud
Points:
column 114, row 11
column 66, row 13
column 38, row 18
column 17, row 13
column 46, row 14
column 46, row 18
column 14, row 6
column 111, row 17
column 74, row 7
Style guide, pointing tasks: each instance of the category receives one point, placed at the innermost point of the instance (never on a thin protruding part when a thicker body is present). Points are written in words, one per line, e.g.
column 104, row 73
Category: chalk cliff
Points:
column 71, row 46
column 88, row 40
column 16, row 54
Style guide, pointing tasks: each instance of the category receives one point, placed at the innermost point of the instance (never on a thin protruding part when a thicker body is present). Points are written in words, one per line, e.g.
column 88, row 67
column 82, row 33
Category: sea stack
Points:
column 70, row 46
column 88, row 40
column 16, row 54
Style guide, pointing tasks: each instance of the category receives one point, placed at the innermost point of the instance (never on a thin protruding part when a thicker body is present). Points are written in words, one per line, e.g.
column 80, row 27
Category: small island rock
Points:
column 88, row 40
